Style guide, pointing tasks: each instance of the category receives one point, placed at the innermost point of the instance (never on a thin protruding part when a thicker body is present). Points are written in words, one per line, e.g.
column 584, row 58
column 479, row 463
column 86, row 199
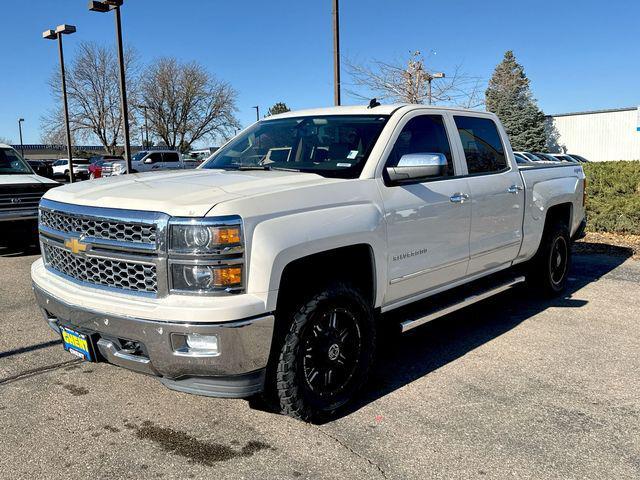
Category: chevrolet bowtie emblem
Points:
column 75, row 245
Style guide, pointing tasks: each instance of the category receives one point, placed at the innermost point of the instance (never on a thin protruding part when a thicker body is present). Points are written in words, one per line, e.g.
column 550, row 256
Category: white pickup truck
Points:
column 270, row 268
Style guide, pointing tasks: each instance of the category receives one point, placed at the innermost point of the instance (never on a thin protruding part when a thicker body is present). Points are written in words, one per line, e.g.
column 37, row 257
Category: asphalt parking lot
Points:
column 513, row 388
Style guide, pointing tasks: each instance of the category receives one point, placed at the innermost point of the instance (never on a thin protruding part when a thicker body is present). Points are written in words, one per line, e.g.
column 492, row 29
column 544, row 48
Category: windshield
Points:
column 330, row 145
column 137, row 157
column 12, row 163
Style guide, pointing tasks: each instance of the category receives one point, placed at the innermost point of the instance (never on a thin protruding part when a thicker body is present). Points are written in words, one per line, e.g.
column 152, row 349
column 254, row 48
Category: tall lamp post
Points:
column 257, row 113
column 20, row 120
column 146, row 126
column 102, row 7
column 430, row 78
column 53, row 35
column 336, row 53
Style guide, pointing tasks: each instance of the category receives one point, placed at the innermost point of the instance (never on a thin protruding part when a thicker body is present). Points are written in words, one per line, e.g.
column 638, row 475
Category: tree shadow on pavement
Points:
column 405, row 358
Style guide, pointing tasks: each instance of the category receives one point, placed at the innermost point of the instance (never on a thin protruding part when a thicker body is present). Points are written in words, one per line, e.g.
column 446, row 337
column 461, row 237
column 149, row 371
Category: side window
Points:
column 423, row 134
column 482, row 145
column 155, row 157
column 170, row 157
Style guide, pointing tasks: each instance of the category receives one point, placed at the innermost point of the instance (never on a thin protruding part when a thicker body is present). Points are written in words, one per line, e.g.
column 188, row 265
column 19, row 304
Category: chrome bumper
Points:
column 237, row 371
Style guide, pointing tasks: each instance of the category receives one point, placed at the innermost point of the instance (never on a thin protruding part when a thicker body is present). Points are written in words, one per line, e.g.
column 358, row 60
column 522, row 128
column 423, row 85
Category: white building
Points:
column 598, row 135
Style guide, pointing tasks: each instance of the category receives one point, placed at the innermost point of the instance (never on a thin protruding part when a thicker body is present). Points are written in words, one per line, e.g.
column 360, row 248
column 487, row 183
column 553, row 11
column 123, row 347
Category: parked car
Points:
column 146, row 161
column 20, row 192
column 80, row 168
column 563, row 157
column 578, row 158
column 521, row 159
column 270, row 268
column 546, row 156
column 96, row 163
column 531, row 157
column 42, row 168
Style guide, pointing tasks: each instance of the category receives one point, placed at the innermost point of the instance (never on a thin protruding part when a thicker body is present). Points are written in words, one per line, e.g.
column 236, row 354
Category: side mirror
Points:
column 148, row 161
column 416, row 166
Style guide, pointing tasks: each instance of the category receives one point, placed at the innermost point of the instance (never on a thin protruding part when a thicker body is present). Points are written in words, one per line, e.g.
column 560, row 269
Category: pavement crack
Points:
column 354, row 452
column 37, row 371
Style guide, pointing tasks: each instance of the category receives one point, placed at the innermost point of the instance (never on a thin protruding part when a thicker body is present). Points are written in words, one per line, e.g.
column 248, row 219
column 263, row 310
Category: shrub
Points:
column 613, row 203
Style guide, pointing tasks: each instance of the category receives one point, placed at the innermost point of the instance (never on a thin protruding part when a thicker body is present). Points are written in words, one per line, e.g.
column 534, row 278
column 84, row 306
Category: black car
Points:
column 42, row 168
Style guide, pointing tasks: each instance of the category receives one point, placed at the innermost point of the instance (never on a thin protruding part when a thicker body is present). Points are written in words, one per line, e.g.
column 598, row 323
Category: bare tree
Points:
column 93, row 96
column 186, row 103
column 407, row 81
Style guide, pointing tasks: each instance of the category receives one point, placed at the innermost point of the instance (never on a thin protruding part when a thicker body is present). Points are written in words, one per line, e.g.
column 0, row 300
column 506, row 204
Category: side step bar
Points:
column 470, row 300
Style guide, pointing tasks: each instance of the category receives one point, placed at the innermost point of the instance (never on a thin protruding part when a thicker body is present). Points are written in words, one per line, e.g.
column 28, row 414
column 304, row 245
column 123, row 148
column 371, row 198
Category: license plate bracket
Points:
column 77, row 343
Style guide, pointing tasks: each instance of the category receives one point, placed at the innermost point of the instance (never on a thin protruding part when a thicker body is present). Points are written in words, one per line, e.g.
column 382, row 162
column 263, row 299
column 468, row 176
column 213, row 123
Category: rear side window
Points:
column 482, row 145
column 423, row 134
column 170, row 157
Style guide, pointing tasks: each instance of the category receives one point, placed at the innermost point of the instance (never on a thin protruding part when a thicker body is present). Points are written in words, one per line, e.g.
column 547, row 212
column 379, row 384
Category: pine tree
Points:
column 279, row 107
column 509, row 97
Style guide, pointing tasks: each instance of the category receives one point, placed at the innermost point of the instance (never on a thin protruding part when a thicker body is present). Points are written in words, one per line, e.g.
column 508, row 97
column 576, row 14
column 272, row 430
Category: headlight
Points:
column 196, row 237
column 206, row 255
column 205, row 278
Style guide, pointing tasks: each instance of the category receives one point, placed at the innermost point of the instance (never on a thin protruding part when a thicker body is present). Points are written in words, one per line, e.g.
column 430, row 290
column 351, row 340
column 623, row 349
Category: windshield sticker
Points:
column 343, row 165
column 352, row 154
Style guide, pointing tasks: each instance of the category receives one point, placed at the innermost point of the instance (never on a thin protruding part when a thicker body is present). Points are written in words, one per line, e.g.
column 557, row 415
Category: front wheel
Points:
column 550, row 267
column 326, row 355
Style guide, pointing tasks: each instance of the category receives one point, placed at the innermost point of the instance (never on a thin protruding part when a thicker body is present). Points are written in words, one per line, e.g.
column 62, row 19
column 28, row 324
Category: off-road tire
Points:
column 549, row 268
column 293, row 389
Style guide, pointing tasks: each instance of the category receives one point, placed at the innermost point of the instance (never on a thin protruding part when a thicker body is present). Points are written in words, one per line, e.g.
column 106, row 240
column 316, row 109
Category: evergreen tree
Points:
column 277, row 108
column 509, row 97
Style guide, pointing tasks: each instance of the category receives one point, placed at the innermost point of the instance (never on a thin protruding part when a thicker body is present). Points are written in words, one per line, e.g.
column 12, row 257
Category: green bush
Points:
column 613, row 203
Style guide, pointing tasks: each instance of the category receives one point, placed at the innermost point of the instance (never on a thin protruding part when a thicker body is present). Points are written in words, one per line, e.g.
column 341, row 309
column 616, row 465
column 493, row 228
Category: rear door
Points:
column 428, row 220
column 171, row 160
column 496, row 190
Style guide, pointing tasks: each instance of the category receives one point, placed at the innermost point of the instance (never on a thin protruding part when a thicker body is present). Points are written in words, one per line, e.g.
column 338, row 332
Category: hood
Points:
column 24, row 179
column 189, row 193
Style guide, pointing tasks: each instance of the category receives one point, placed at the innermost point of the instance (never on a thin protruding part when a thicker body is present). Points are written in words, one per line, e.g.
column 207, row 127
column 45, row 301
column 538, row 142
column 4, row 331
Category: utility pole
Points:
column 336, row 53
column 20, row 120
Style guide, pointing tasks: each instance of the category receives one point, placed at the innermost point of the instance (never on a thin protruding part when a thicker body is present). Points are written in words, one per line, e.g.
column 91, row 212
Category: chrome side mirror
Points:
column 416, row 166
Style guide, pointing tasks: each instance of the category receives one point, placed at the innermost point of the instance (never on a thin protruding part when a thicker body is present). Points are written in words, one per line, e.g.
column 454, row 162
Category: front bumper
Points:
column 237, row 371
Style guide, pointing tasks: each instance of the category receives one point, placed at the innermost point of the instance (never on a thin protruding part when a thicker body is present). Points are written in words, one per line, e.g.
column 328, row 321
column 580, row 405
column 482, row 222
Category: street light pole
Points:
column 430, row 78
column 115, row 5
column 336, row 53
column 257, row 113
column 53, row 35
column 20, row 120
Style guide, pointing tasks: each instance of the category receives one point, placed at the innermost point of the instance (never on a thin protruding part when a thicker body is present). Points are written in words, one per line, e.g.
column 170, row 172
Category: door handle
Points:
column 459, row 197
column 514, row 189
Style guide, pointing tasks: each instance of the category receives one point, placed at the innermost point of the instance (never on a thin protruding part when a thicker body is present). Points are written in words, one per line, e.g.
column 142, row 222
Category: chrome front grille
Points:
column 98, row 228
column 114, row 249
column 113, row 273
column 25, row 198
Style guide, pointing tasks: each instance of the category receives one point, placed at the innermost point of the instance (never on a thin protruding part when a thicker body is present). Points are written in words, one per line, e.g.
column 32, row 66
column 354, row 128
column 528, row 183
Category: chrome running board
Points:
column 470, row 300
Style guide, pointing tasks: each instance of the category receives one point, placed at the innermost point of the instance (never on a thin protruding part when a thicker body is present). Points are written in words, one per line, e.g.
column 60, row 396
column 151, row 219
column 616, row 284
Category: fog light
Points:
column 202, row 344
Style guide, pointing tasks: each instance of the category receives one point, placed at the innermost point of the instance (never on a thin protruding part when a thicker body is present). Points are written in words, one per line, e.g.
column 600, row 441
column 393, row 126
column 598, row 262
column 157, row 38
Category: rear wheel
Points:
column 326, row 354
column 549, row 268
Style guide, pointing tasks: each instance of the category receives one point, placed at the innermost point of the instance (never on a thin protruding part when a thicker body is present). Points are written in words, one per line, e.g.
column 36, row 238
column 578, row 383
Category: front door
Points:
column 497, row 195
column 428, row 221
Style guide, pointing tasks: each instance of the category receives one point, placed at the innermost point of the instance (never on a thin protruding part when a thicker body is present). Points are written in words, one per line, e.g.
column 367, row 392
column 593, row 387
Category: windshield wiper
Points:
column 261, row 167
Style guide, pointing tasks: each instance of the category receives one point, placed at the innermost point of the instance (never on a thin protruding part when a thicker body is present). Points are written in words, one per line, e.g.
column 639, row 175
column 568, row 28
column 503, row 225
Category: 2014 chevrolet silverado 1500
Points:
column 269, row 268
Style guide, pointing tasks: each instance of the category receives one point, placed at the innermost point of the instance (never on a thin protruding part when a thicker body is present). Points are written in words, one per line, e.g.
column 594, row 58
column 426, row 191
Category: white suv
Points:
column 146, row 161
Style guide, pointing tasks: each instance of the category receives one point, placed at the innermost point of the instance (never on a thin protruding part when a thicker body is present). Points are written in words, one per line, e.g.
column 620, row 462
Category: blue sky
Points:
column 579, row 55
